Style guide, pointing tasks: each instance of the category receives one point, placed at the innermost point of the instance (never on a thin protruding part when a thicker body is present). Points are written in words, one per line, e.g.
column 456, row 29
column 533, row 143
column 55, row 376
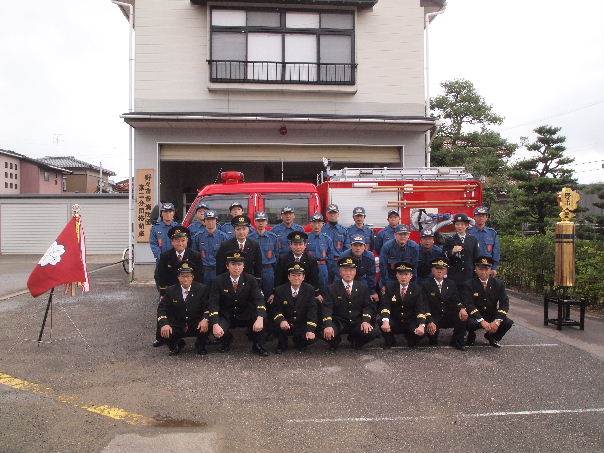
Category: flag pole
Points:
column 45, row 315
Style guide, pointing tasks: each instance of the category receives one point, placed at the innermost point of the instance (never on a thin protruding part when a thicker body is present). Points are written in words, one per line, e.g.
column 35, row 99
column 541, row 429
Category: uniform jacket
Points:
column 491, row 304
column 320, row 247
column 158, row 238
column 208, row 244
column 365, row 268
column 176, row 312
column 441, row 303
column 488, row 243
column 353, row 231
column 301, row 311
column 253, row 256
column 281, row 231
column 168, row 265
column 424, row 266
column 286, row 260
column 410, row 309
column 385, row 234
column 268, row 246
column 196, row 227
column 337, row 234
column 245, row 304
column 461, row 264
column 353, row 309
column 391, row 253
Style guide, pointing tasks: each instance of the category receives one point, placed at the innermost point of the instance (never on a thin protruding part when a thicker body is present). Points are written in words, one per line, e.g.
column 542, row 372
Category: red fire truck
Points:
column 425, row 197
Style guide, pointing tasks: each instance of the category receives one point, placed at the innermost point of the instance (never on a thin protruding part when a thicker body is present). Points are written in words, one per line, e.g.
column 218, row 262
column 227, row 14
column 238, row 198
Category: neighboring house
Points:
column 20, row 174
column 272, row 87
column 84, row 177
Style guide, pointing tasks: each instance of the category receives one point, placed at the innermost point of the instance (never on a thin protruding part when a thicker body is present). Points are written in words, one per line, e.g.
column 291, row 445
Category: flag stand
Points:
column 48, row 306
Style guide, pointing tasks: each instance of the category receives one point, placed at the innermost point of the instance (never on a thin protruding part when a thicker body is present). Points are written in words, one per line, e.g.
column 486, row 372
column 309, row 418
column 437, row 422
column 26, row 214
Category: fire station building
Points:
column 271, row 88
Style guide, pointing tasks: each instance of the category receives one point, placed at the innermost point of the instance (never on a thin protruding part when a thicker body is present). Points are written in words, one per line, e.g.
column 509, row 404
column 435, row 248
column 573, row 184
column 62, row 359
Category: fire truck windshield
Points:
column 221, row 203
column 274, row 202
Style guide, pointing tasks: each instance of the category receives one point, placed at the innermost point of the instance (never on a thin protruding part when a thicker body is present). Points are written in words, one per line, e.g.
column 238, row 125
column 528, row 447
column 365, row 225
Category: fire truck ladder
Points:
column 388, row 173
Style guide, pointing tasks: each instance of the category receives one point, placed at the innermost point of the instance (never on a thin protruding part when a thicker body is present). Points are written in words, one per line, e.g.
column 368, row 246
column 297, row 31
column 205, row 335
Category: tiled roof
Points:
column 71, row 163
column 52, row 166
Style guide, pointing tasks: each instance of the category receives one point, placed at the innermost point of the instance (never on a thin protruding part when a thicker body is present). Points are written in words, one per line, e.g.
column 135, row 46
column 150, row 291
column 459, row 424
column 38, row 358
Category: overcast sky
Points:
column 64, row 74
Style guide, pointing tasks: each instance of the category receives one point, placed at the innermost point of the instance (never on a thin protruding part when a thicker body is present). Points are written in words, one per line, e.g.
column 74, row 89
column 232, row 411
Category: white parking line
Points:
column 533, row 345
column 434, row 417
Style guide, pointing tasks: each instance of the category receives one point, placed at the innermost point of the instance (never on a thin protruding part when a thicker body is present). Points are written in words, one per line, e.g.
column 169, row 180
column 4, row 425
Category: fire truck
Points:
column 426, row 198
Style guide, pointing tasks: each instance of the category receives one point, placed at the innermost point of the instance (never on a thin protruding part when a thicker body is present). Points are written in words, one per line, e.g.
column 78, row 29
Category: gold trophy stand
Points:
column 564, row 277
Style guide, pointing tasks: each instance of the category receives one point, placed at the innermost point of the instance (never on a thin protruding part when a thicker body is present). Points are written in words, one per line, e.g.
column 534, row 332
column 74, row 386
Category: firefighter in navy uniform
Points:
column 402, row 308
column 445, row 307
column 461, row 251
column 183, row 312
column 298, row 254
column 241, row 243
column 237, row 301
column 487, row 303
column 295, row 311
column 365, row 263
column 348, row 309
column 166, row 271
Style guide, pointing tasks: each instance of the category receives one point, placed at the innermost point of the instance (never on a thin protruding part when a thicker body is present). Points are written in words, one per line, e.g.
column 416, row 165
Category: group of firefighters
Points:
column 283, row 282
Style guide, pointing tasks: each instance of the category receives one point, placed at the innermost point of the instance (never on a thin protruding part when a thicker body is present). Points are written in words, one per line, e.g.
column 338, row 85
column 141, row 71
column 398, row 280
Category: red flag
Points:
column 64, row 261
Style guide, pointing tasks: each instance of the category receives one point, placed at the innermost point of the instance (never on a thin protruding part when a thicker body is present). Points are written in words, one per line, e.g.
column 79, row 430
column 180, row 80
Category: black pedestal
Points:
column 564, row 303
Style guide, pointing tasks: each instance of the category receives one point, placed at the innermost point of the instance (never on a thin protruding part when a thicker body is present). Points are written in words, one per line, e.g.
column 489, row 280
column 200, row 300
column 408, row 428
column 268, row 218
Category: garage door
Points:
column 29, row 228
column 276, row 153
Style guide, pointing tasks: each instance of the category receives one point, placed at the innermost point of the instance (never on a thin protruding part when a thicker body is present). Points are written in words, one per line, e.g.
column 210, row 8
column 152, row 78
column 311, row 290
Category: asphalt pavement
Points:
column 98, row 386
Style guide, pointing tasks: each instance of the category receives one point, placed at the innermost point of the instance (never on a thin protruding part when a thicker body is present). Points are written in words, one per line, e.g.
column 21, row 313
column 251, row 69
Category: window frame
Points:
column 283, row 31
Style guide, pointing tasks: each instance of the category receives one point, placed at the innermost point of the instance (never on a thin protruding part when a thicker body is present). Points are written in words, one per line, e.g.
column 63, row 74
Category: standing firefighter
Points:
column 242, row 244
column 401, row 248
column 320, row 247
column 461, row 250
column 358, row 228
column 207, row 242
column 267, row 240
column 158, row 239
column 488, row 239
column 337, row 234
column 285, row 228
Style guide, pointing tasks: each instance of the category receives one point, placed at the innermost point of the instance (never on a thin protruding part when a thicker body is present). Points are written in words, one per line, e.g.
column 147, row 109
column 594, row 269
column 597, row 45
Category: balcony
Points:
column 234, row 71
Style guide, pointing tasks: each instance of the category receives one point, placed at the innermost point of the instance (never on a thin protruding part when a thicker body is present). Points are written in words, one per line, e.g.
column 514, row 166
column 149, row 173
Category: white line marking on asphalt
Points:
column 533, row 345
column 434, row 417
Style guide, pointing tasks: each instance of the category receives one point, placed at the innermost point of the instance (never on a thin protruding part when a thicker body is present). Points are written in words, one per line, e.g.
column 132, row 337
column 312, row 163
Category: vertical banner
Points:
column 144, row 183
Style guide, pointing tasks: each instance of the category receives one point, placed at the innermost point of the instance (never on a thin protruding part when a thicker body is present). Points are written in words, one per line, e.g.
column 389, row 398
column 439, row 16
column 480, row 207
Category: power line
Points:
column 553, row 116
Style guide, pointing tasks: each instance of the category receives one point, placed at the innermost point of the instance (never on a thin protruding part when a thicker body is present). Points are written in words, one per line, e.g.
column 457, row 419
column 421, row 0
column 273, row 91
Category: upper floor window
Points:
column 11, row 165
column 46, row 176
column 282, row 46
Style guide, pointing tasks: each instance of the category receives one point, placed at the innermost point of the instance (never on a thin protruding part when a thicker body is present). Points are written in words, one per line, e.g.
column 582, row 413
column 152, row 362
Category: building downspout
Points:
column 130, row 134
column 427, row 18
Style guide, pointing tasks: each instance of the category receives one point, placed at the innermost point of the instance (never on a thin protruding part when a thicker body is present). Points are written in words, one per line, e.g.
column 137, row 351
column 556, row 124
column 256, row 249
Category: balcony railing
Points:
column 282, row 72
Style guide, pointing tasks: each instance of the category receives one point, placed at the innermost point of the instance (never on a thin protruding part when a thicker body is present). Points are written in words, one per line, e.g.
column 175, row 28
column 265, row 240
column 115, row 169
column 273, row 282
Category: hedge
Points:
column 527, row 263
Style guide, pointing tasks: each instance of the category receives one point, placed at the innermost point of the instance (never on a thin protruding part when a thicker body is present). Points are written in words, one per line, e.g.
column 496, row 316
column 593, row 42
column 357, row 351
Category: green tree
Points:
column 466, row 138
column 541, row 176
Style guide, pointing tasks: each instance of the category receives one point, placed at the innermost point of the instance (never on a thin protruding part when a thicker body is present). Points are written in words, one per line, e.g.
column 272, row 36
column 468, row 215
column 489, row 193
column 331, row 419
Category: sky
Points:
column 64, row 74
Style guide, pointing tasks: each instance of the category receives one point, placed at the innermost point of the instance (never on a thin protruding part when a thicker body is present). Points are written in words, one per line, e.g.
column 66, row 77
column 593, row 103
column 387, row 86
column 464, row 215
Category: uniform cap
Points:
column 287, row 209
column 261, row 215
column 167, row 207
column 333, row 208
column 179, row 231
column 347, row 262
column 484, row 261
column 428, row 233
column 235, row 257
column 461, row 218
column 202, row 206
column 185, row 269
column 402, row 228
column 358, row 211
column 317, row 217
column 297, row 236
column 240, row 220
column 296, row 269
column 235, row 204
column 439, row 263
column 481, row 210
column 393, row 212
column 358, row 240
column 403, row 266
column 211, row 215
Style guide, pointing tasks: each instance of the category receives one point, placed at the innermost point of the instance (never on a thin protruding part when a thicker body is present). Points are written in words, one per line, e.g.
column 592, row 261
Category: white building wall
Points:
column 172, row 71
